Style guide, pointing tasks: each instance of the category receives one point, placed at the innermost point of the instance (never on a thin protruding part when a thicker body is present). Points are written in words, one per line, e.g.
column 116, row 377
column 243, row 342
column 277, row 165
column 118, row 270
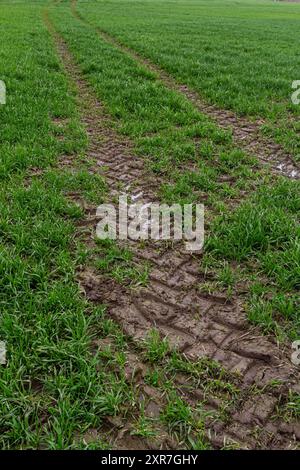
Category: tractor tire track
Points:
column 200, row 325
column 246, row 134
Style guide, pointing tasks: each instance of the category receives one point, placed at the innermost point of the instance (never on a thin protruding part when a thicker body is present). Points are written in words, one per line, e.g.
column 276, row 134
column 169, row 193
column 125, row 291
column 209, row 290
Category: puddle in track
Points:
column 201, row 325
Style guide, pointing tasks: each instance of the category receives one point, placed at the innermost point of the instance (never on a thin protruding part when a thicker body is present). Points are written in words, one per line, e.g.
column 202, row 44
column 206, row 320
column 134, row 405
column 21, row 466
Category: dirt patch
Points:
column 199, row 324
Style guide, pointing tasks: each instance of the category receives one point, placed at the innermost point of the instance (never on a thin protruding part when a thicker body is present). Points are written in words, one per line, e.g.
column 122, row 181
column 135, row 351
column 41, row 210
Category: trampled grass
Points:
column 66, row 371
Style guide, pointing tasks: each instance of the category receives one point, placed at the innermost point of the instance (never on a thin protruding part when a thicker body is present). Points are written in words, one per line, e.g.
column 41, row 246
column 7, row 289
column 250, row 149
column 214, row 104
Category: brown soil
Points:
column 200, row 324
column 246, row 133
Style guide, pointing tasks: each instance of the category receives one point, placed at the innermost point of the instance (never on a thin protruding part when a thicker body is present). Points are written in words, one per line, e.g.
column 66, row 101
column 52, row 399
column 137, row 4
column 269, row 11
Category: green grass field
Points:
column 241, row 56
column 70, row 381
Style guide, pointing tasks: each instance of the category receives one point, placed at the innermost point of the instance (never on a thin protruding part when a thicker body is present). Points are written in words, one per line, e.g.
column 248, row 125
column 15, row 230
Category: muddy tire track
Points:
column 199, row 324
column 246, row 134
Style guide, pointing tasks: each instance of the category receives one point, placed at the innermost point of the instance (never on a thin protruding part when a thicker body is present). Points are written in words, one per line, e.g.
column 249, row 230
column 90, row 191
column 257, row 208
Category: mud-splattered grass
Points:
column 117, row 263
